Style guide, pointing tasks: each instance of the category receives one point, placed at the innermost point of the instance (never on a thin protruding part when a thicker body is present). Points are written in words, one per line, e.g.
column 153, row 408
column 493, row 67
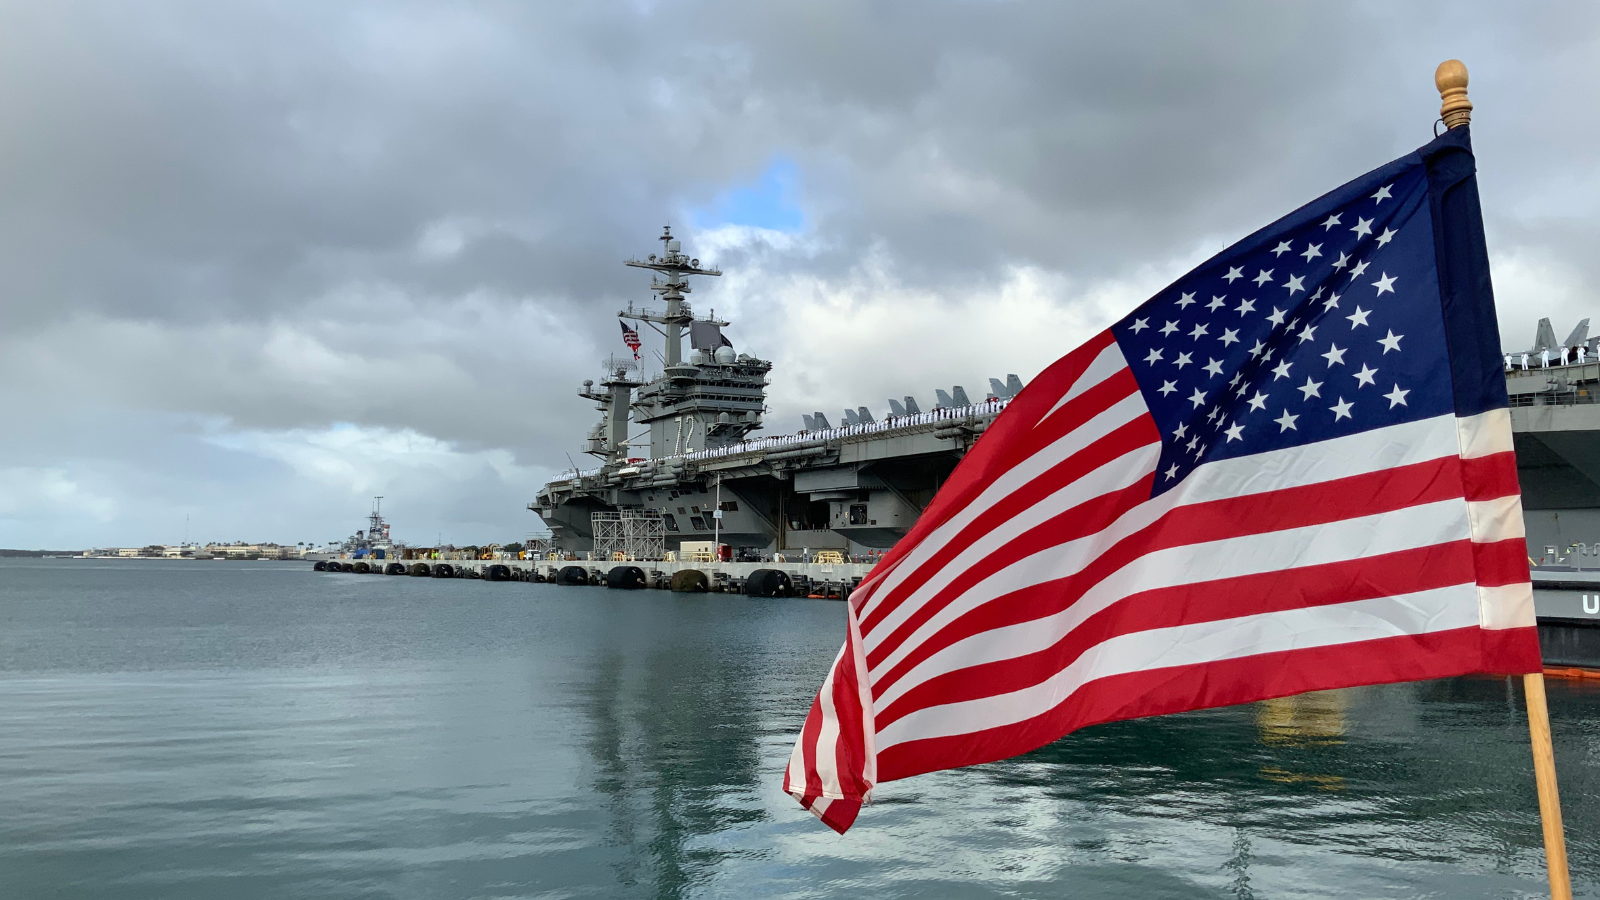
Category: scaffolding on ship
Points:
column 629, row 534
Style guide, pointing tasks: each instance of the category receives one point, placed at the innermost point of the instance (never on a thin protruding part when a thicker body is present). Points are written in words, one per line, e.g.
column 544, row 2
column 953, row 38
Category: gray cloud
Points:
column 272, row 218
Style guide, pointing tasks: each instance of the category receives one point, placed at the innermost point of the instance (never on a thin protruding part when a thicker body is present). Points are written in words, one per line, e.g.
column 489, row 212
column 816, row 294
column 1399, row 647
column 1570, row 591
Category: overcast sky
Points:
column 262, row 261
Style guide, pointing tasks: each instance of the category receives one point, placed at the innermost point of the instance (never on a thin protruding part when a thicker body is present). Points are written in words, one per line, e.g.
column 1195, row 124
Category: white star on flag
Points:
column 1358, row 318
column 1364, row 377
column 1392, row 342
column 1396, row 397
column 1310, row 389
column 1335, row 355
column 1384, row 283
column 1286, row 422
column 1341, row 410
column 1363, row 227
column 1264, row 277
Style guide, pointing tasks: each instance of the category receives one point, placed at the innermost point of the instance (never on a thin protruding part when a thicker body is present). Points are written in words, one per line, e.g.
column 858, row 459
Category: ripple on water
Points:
column 182, row 730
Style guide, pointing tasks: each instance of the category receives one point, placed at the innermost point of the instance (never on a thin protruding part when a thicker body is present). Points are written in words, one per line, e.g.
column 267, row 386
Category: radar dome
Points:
column 726, row 356
column 698, row 358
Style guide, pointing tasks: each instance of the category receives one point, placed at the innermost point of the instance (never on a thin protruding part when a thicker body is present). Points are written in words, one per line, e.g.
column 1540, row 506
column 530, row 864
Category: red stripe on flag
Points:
column 1391, row 574
column 1490, row 477
column 1071, row 524
column 1442, row 654
column 1317, row 504
column 850, row 746
column 1022, row 414
column 1502, row 562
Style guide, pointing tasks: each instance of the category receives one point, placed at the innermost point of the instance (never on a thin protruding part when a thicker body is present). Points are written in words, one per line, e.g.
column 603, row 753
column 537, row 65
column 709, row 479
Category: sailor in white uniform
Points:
column 1524, row 362
column 1566, row 355
column 1544, row 358
column 1583, row 351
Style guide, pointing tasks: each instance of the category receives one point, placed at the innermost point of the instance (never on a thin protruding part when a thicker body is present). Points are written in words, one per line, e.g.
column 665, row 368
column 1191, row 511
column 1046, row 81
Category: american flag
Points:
column 631, row 338
column 1292, row 470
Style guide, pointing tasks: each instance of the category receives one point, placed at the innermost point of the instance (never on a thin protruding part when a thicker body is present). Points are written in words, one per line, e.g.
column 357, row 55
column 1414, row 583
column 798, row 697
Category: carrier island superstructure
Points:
column 856, row 487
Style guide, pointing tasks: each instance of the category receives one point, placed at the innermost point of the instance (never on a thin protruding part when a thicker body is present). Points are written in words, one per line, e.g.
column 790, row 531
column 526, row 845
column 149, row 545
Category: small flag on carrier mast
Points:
column 631, row 338
column 1292, row 470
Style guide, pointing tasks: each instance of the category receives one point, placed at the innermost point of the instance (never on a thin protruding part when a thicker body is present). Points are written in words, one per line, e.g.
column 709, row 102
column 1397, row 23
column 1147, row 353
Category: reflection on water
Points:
column 255, row 730
column 1307, row 720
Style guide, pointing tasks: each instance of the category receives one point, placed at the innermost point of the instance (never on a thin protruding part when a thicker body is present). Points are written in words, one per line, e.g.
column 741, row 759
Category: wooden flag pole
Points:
column 1456, row 111
column 1544, row 775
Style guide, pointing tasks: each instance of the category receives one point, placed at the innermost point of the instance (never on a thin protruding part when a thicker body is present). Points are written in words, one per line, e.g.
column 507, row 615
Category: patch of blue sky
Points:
column 771, row 202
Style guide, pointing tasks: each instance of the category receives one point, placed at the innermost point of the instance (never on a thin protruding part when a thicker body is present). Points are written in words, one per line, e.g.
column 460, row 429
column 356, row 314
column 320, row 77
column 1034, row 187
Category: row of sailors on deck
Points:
column 1568, row 356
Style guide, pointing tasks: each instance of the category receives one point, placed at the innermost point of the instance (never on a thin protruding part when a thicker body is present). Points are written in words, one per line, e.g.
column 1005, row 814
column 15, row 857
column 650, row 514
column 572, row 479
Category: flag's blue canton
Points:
column 1325, row 323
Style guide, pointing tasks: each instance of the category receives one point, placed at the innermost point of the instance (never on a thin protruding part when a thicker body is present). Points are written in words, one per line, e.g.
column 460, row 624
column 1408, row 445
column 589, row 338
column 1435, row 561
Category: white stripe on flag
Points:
column 1344, row 457
column 1441, row 609
column 1108, row 363
column 1014, row 479
column 1415, row 526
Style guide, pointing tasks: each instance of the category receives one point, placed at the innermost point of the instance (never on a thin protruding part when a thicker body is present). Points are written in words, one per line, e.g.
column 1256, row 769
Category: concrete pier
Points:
column 799, row 579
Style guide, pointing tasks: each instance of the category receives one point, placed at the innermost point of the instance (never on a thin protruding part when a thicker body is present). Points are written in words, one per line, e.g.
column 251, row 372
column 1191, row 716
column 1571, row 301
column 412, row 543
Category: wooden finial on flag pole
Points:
column 1456, row 110
column 1451, row 80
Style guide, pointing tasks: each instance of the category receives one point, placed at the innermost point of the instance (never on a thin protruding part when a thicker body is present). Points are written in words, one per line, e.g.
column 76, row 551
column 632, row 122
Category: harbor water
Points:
column 177, row 729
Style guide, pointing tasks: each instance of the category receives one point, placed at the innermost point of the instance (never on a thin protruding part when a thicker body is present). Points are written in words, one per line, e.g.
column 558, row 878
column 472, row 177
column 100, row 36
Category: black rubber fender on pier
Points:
column 768, row 583
column 361, row 568
column 394, row 568
column 444, row 570
column 690, row 581
column 497, row 572
column 420, row 570
column 321, row 566
column 626, row 578
column 572, row 575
